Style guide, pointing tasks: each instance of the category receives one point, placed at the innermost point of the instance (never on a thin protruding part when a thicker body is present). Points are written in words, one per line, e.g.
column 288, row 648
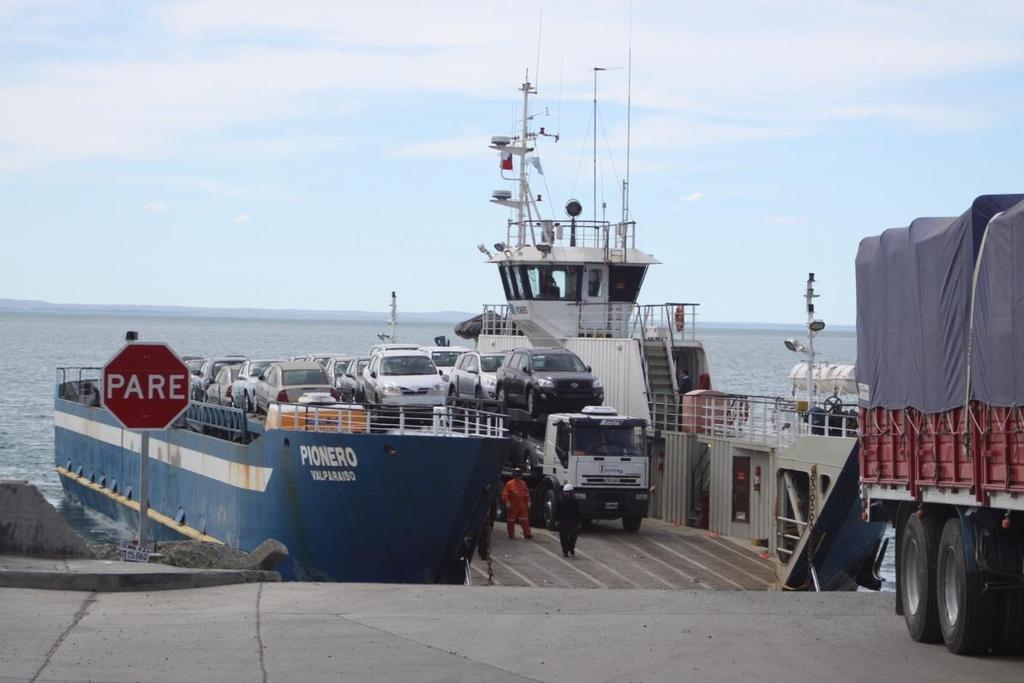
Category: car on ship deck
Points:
column 285, row 382
column 475, row 375
column 404, row 378
column 546, row 380
column 207, row 372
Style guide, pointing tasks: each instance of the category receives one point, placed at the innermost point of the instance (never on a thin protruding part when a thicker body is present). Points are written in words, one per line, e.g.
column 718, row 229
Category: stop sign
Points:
column 146, row 386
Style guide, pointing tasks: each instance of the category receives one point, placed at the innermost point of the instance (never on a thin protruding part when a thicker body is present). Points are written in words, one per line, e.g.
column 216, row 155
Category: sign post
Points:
column 146, row 387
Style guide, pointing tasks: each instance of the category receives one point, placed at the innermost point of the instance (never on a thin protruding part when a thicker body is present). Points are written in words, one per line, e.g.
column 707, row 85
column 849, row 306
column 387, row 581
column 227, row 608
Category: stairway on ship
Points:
column 661, row 386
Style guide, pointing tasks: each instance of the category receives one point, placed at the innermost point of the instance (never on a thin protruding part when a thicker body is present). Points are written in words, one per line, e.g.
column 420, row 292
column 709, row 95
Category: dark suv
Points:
column 548, row 380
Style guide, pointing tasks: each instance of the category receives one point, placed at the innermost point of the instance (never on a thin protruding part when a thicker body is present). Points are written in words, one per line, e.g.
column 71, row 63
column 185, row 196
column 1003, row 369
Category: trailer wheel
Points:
column 962, row 613
column 917, row 577
column 549, row 511
column 632, row 523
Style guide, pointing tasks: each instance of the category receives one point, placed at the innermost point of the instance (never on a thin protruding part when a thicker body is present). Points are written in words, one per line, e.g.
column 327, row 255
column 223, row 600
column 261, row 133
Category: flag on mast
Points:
column 506, row 161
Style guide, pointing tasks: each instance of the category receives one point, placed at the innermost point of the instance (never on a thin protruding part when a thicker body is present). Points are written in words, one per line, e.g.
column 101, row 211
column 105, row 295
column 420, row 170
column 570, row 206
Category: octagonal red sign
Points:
column 146, row 386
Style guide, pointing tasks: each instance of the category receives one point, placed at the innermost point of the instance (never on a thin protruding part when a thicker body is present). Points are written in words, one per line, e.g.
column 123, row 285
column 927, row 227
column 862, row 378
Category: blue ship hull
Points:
column 349, row 507
column 843, row 547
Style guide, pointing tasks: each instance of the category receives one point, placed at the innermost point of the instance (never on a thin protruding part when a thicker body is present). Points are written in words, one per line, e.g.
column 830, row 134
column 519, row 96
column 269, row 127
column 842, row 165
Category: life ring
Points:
column 680, row 318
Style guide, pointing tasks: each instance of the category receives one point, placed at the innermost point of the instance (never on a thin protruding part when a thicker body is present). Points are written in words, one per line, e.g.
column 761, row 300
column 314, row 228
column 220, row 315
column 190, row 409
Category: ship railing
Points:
column 762, row 420
column 497, row 320
column 674, row 322
column 80, row 384
column 671, row 321
column 411, row 420
column 228, row 421
column 593, row 234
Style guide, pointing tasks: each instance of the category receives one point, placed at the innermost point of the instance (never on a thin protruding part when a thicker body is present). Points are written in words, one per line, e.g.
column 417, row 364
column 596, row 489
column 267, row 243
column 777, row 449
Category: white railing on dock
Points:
column 358, row 419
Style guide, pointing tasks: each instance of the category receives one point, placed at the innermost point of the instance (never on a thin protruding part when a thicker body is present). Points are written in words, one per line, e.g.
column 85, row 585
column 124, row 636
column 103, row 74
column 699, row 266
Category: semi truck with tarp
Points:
column 940, row 373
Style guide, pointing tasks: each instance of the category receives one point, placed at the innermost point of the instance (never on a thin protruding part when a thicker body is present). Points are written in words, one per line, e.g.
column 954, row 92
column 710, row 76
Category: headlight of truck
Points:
column 440, row 388
column 642, row 496
column 390, row 389
column 597, row 384
column 545, row 383
column 488, row 381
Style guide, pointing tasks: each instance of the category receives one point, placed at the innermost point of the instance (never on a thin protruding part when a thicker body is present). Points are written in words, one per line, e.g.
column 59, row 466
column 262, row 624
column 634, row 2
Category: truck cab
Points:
column 601, row 453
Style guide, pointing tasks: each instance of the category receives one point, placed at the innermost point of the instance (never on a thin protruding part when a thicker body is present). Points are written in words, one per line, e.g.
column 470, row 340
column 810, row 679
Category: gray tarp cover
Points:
column 997, row 359
column 913, row 308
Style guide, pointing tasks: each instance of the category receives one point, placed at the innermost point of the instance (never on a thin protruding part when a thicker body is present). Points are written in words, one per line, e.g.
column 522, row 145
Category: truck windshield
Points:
column 606, row 441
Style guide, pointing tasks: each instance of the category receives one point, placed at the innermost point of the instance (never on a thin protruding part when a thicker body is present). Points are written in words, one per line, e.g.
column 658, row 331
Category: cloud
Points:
column 758, row 70
column 692, row 197
column 785, row 220
column 154, row 207
column 470, row 145
column 242, row 218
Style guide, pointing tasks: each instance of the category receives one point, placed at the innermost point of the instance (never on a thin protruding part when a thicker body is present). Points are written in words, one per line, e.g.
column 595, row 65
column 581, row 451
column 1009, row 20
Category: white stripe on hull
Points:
column 249, row 477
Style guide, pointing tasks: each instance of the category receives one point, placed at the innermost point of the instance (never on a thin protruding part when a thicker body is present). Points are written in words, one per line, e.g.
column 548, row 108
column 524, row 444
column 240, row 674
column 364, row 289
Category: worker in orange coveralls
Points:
column 516, row 498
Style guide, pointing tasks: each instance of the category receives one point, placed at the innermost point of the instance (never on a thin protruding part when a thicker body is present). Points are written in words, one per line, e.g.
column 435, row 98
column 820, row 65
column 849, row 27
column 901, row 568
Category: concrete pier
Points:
column 329, row 632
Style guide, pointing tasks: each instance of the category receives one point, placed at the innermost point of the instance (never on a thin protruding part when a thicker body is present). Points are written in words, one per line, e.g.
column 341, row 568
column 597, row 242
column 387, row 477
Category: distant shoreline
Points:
column 45, row 307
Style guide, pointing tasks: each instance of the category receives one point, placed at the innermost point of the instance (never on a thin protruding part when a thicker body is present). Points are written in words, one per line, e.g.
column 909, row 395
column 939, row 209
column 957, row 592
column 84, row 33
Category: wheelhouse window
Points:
column 551, row 283
column 594, row 283
column 509, row 283
column 624, row 282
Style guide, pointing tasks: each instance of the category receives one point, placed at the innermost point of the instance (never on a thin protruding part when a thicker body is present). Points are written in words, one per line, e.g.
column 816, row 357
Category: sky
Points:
column 255, row 153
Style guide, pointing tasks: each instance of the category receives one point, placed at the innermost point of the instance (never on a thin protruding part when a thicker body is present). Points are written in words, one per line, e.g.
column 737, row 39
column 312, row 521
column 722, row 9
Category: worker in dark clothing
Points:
column 567, row 512
column 684, row 381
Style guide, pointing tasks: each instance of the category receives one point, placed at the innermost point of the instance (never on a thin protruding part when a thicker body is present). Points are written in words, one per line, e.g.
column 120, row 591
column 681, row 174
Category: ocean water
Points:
column 33, row 346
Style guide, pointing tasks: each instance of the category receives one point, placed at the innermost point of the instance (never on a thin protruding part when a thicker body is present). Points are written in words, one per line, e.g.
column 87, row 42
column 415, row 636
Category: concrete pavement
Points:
column 291, row 631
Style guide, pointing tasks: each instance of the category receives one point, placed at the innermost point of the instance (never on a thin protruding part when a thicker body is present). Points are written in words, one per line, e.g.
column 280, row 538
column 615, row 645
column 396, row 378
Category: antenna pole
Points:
column 596, row 69
column 809, row 296
column 523, row 187
column 629, row 108
column 393, row 321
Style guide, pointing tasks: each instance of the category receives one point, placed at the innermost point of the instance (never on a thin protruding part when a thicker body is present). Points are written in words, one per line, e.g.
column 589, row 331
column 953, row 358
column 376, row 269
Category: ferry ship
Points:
column 355, row 493
column 776, row 472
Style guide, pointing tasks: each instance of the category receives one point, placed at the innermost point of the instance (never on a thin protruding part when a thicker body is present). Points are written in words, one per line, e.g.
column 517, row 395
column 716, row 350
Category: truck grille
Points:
column 406, row 391
column 610, row 481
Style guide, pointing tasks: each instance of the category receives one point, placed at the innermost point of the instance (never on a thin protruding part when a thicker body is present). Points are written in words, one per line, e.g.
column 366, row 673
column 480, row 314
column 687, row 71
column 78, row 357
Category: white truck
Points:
column 601, row 453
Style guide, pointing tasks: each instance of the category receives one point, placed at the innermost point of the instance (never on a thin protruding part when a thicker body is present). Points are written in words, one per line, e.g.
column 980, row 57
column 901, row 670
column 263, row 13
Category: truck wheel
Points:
column 632, row 523
column 917, row 576
column 962, row 613
column 549, row 511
